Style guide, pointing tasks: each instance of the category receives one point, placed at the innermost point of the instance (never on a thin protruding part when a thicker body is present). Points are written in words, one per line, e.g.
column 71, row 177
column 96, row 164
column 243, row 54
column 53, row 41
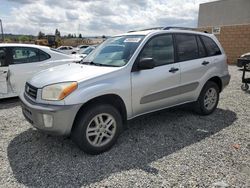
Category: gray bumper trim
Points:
column 225, row 80
column 63, row 115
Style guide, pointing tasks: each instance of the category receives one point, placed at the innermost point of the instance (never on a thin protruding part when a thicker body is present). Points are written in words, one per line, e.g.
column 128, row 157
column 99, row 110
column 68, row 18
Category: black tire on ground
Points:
column 244, row 87
column 248, row 67
column 83, row 119
column 199, row 105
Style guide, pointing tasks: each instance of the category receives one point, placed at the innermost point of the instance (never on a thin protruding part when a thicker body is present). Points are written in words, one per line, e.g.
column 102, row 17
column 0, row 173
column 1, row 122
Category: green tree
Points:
column 57, row 33
column 23, row 38
column 80, row 35
column 41, row 35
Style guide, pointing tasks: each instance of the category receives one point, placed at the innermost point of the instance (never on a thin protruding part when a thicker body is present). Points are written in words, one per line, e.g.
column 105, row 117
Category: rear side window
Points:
column 24, row 55
column 186, row 47
column 211, row 46
column 161, row 49
column 202, row 51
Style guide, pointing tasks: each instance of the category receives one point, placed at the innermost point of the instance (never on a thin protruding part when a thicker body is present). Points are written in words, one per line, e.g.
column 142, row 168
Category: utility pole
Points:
column 1, row 25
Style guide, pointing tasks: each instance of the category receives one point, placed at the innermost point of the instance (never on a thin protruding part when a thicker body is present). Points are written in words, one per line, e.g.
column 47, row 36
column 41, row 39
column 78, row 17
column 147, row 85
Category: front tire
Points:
column 208, row 99
column 97, row 128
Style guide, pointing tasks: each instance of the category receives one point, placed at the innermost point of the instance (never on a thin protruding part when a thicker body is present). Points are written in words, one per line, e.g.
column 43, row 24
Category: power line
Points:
column 1, row 25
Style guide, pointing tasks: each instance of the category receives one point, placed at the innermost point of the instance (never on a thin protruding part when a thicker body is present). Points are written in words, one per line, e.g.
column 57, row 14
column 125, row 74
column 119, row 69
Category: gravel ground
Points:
column 171, row 148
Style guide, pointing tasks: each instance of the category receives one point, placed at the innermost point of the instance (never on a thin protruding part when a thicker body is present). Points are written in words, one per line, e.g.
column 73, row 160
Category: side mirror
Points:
column 146, row 63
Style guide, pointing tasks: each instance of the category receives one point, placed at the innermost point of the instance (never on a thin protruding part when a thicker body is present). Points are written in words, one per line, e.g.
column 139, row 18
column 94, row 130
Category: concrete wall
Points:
column 224, row 12
column 234, row 39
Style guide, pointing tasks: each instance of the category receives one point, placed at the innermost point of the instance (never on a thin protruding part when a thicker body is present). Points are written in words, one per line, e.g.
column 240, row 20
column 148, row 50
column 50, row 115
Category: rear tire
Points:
column 208, row 99
column 96, row 128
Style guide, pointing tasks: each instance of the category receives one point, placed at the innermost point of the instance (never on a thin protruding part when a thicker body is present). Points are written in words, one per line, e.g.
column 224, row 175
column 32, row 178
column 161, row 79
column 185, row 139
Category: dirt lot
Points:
column 171, row 148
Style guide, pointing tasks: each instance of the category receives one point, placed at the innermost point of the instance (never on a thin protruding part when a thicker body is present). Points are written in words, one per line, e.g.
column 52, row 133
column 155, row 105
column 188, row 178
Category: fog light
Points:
column 47, row 120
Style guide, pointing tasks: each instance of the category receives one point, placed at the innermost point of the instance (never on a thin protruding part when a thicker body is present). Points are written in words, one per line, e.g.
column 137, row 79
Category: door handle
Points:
column 3, row 72
column 173, row 70
column 205, row 63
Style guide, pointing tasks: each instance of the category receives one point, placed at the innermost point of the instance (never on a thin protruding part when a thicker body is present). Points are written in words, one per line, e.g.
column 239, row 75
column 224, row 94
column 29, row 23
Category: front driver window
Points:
column 161, row 49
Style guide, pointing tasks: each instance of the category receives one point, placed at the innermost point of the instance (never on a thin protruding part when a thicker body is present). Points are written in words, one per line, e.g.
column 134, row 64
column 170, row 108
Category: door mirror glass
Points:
column 146, row 63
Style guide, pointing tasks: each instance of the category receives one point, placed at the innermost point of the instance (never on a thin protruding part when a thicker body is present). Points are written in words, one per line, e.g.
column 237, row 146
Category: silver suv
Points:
column 126, row 76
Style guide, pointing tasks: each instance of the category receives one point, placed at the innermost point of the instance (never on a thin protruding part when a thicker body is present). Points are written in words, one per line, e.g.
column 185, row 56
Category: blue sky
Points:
column 95, row 17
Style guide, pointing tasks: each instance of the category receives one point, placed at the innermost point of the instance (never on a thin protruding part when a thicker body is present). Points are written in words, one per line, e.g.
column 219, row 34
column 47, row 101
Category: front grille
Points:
column 31, row 91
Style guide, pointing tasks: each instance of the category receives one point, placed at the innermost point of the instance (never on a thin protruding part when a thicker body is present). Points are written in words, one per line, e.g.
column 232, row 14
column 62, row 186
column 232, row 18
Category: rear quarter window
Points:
column 43, row 56
column 211, row 46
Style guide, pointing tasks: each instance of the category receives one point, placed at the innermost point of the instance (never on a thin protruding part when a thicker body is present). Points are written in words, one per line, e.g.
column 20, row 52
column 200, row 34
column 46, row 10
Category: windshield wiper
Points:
column 97, row 64
column 87, row 62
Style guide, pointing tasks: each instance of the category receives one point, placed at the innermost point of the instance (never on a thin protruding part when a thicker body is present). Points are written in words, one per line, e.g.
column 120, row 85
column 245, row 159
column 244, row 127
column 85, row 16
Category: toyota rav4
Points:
column 126, row 76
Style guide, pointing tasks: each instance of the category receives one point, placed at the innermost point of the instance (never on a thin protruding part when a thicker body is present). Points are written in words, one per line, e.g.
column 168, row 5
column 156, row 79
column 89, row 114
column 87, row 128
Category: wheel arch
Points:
column 111, row 99
column 217, row 80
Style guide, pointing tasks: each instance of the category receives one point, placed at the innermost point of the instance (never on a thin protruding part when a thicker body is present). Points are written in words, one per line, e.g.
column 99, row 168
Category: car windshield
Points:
column 115, row 51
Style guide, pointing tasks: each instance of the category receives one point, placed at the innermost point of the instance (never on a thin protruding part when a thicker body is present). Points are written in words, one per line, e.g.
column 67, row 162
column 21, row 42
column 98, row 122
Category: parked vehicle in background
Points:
column 126, row 76
column 247, row 56
column 67, row 49
column 82, row 47
column 48, row 40
column 84, row 52
column 18, row 62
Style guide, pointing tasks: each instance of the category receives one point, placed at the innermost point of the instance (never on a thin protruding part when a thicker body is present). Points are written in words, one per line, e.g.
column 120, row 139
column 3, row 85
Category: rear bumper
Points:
column 225, row 80
column 60, row 117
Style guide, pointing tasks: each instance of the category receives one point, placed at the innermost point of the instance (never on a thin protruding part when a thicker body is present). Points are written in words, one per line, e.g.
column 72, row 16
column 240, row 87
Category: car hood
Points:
column 67, row 73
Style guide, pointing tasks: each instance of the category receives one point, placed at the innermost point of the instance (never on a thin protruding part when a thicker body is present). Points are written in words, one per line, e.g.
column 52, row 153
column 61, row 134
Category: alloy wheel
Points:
column 210, row 98
column 101, row 130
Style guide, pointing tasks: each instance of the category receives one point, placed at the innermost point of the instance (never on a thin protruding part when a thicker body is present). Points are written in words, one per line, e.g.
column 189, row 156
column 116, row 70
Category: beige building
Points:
column 229, row 20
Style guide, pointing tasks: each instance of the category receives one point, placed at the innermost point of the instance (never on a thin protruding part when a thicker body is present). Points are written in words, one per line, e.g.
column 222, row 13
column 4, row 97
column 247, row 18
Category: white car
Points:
column 67, row 49
column 18, row 62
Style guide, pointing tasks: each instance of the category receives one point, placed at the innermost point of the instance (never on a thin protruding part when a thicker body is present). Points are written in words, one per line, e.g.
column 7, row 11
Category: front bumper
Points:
column 62, row 116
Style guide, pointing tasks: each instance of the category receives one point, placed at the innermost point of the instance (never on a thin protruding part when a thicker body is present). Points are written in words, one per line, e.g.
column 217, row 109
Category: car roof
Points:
column 23, row 45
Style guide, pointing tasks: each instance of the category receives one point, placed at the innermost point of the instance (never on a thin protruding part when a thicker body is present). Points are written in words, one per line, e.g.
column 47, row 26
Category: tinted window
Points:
column 24, row 55
column 43, row 56
column 186, row 47
column 3, row 53
column 159, row 48
column 211, row 46
column 202, row 51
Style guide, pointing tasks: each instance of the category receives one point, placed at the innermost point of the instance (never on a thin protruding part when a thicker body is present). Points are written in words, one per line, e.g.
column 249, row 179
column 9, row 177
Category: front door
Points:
column 3, row 71
column 156, row 88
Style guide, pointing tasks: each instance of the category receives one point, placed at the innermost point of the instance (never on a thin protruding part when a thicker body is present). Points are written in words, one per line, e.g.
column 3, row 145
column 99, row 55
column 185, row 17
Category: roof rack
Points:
column 168, row 28
column 152, row 28
column 181, row 28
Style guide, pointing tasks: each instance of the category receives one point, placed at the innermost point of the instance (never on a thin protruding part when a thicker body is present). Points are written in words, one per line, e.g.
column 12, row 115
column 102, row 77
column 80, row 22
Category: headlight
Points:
column 56, row 92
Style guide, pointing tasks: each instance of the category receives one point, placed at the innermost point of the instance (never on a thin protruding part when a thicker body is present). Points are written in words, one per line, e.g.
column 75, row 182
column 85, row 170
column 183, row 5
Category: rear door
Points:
column 194, row 63
column 25, row 63
column 3, row 71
